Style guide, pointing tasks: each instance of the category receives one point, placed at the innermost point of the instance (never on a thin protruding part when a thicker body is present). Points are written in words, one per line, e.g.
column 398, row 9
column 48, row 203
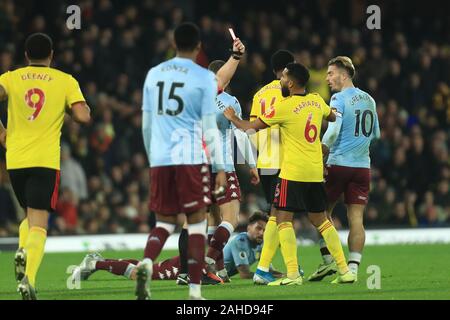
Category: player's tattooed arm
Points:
column 227, row 71
column 256, row 125
column 244, row 271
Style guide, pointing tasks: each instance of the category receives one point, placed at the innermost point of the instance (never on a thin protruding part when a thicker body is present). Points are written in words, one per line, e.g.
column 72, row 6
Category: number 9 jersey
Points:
column 37, row 100
column 300, row 120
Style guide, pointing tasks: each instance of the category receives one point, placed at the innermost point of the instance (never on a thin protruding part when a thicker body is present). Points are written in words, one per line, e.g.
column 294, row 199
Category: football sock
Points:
column 354, row 259
column 271, row 244
column 219, row 262
column 23, row 233
column 219, row 240
column 155, row 243
column 132, row 261
column 167, row 269
column 211, row 231
column 288, row 243
column 195, row 290
column 334, row 245
column 116, row 267
column 183, row 250
column 196, row 255
column 326, row 256
column 35, row 251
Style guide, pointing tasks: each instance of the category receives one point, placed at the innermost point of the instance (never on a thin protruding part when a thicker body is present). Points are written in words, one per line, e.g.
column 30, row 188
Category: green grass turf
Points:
column 407, row 272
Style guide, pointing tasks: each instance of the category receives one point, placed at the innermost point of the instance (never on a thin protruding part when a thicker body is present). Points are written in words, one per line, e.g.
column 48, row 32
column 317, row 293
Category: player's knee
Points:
column 355, row 220
column 231, row 218
column 317, row 219
column 197, row 216
column 37, row 218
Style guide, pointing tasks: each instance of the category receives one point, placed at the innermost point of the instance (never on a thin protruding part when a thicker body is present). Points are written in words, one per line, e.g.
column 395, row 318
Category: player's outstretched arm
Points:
column 81, row 112
column 331, row 117
column 227, row 71
column 256, row 125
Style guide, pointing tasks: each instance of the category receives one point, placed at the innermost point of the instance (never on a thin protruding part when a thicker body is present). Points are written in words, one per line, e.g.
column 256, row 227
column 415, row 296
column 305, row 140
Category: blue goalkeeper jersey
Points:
column 240, row 251
column 177, row 94
column 225, row 126
column 357, row 110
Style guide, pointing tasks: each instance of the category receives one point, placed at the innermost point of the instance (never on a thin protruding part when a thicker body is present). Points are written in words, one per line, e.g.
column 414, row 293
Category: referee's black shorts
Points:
column 269, row 180
column 294, row 196
column 36, row 187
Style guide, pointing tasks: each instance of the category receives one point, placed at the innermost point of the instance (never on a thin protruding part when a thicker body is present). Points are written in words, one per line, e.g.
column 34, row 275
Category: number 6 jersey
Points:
column 300, row 120
column 177, row 94
column 37, row 100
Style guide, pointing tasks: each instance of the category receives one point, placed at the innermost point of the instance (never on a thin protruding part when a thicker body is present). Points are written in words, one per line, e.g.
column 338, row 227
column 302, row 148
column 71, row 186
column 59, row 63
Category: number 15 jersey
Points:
column 178, row 93
column 37, row 100
column 300, row 120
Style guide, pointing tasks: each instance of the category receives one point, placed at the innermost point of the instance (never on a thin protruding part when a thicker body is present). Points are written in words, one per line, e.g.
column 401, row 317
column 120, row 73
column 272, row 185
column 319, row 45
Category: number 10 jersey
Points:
column 359, row 126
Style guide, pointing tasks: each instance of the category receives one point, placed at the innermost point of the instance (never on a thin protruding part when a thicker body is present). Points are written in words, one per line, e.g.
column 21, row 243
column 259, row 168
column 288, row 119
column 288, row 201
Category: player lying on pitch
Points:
column 239, row 254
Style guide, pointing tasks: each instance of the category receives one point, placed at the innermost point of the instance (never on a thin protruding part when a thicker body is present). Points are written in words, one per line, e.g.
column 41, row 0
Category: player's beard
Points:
column 285, row 91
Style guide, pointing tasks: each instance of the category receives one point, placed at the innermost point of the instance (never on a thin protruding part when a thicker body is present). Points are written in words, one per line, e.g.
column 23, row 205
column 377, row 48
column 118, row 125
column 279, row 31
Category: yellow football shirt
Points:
column 267, row 141
column 37, row 100
column 300, row 120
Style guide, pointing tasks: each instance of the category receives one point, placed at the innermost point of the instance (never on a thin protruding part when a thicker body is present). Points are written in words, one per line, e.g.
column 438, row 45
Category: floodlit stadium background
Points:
column 405, row 66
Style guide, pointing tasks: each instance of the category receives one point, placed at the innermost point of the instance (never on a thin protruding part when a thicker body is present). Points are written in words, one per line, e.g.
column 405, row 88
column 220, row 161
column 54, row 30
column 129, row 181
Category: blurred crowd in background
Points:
column 405, row 66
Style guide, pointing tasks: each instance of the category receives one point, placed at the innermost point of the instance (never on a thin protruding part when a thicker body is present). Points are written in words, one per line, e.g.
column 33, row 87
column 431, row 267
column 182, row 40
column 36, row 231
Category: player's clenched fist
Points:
column 229, row 113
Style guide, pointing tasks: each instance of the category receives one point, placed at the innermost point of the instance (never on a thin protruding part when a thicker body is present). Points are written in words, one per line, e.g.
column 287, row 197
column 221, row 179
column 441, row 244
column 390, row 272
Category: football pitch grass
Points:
column 407, row 272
